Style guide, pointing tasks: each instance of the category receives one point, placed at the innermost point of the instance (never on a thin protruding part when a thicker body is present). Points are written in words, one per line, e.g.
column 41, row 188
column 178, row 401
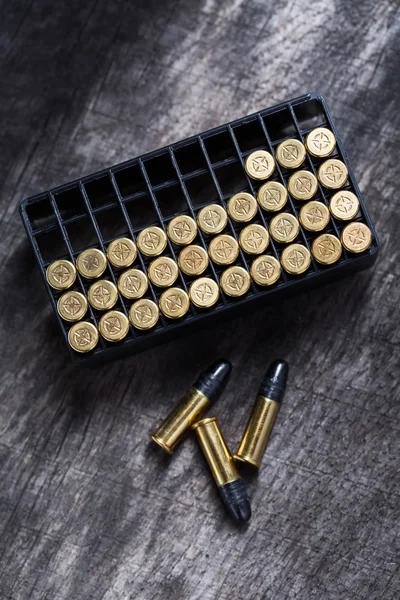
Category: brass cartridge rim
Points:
column 144, row 314
column 75, row 310
column 296, row 259
column 254, row 239
column 133, row 284
column 83, row 337
column 272, row 196
column 212, row 219
column 203, row 422
column 333, row 173
column 356, row 241
column 174, row 303
column 344, row 205
column 103, row 294
column 223, row 249
column 160, row 442
column 151, row 241
column 247, row 459
column 91, row 263
column 193, row 260
column 303, row 185
column 320, row 142
column 284, row 228
column 235, row 281
column 163, row 271
column 259, row 165
column 290, row 154
column 121, row 252
column 61, row 274
column 326, row 249
column 204, row 292
column 265, row 270
column 314, row 216
column 242, row 207
column 114, row 326
column 182, row 230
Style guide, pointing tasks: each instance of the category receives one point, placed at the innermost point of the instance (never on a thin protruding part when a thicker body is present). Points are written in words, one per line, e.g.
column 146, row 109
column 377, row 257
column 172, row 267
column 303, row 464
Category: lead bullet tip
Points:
column 213, row 380
column 235, row 500
column 274, row 383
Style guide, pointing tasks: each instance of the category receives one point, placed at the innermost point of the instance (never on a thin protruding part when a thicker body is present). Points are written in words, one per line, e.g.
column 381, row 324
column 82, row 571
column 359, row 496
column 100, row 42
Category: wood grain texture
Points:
column 89, row 509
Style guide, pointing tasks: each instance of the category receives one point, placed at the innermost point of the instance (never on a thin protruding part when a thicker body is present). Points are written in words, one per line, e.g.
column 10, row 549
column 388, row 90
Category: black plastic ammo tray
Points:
column 181, row 179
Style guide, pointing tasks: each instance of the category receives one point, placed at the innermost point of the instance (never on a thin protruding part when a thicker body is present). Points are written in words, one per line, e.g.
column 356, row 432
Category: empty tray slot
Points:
column 81, row 234
column 160, row 169
column 280, row 125
column 310, row 114
column 171, row 200
column 220, row 146
column 41, row 214
column 130, row 181
column 190, row 158
column 111, row 223
column 201, row 189
column 250, row 136
column 70, row 203
column 141, row 212
column 100, row 192
column 51, row 245
column 231, row 179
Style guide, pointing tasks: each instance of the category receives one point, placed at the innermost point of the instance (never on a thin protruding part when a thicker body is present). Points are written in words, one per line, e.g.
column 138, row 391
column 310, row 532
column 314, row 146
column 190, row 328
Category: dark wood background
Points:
column 89, row 510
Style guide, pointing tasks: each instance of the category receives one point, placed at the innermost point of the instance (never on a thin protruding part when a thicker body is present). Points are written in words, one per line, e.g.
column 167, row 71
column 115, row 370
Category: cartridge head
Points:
column 151, row 241
column 60, row 274
column 182, row 230
column 91, row 263
column 121, row 252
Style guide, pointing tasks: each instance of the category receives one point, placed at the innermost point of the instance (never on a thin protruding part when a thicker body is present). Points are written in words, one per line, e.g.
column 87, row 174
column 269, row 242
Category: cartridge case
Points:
column 91, row 263
column 121, row 252
column 151, row 241
column 193, row 260
column 230, row 485
column 290, row 154
column 174, row 303
column 257, row 431
column 320, row 142
column 263, row 414
column 259, row 165
column 215, row 450
column 61, row 274
column 181, row 418
column 212, row 219
column 333, row 174
column 242, row 207
column 182, row 230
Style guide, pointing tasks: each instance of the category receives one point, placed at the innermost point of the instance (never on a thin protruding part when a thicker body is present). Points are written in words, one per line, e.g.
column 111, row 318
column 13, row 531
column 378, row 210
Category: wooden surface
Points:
column 89, row 510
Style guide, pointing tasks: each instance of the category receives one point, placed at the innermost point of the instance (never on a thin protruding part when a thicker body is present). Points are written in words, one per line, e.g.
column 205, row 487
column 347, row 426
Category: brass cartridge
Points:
column 263, row 414
column 223, row 469
column 207, row 388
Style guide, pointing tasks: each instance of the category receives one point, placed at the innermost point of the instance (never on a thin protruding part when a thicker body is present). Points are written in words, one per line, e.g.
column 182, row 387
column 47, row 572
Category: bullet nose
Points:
column 235, row 499
column 274, row 383
column 213, row 380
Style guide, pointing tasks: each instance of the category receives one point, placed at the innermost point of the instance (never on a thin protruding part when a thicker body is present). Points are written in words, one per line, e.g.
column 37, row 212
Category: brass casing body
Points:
column 216, row 451
column 180, row 419
column 257, row 431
